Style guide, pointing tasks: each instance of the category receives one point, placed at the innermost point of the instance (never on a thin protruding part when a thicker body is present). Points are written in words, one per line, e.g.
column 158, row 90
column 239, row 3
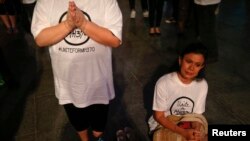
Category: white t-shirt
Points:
column 206, row 2
column 176, row 98
column 82, row 68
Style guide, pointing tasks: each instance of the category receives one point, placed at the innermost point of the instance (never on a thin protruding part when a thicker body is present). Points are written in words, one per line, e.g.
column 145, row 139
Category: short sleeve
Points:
column 113, row 18
column 201, row 102
column 40, row 19
column 160, row 96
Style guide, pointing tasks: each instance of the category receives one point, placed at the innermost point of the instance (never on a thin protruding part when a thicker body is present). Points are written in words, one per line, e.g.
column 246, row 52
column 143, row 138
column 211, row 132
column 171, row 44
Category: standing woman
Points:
column 205, row 19
column 8, row 13
column 180, row 98
column 155, row 16
column 183, row 14
column 144, row 6
column 80, row 36
column 28, row 8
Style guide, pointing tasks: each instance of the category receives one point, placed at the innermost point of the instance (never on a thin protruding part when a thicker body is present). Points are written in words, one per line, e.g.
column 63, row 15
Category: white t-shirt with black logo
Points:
column 176, row 98
column 82, row 68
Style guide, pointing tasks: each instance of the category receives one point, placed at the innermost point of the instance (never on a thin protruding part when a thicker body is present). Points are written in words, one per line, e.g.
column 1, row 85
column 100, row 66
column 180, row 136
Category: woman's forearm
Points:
column 100, row 34
column 52, row 35
column 160, row 118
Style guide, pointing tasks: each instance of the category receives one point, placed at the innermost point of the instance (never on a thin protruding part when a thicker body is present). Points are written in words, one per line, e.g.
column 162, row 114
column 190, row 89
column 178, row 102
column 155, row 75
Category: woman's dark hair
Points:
column 197, row 48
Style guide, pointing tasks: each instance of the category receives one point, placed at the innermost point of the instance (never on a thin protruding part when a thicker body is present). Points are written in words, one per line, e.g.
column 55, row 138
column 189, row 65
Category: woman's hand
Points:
column 193, row 135
column 77, row 16
column 69, row 22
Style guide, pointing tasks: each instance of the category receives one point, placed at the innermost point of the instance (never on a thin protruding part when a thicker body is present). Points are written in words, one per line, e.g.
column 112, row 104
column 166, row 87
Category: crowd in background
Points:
column 12, row 13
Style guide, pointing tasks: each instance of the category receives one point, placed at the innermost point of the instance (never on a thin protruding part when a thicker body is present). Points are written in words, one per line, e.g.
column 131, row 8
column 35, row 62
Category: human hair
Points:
column 197, row 48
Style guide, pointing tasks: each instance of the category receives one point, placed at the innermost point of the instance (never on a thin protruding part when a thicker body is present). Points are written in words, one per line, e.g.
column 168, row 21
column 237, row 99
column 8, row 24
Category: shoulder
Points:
column 202, row 83
column 167, row 78
column 44, row 6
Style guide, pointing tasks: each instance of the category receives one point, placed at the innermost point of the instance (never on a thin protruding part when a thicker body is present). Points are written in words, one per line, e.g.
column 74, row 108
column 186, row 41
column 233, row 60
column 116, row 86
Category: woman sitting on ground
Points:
column 180, row 97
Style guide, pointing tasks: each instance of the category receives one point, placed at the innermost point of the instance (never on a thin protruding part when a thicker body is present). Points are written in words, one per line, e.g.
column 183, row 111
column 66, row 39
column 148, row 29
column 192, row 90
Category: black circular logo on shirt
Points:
column 75, row 37
column 182, row 106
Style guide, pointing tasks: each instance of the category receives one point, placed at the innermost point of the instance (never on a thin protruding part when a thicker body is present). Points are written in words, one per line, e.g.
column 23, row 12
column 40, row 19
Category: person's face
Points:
column 190, row 66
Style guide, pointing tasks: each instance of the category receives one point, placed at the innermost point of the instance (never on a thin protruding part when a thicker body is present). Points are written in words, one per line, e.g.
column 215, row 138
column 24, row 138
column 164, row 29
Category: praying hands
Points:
column 75, row 17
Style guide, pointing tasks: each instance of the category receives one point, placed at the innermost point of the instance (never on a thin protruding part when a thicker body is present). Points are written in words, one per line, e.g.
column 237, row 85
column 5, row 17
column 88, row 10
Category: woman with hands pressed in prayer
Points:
column 80, row 36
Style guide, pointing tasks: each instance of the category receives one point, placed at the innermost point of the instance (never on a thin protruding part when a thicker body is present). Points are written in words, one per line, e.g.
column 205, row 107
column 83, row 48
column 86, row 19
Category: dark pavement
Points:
column 29, row 110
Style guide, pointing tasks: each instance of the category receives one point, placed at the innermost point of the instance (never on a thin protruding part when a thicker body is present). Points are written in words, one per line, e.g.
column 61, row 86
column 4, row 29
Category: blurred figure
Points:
column 155, row 16
column 205, row 19
column 1, row 80
column 3, row 68
column 144, row 6
column 170, row 11
column 28, row 8
column 8, row 14
column 183, row 13
column 7, row 77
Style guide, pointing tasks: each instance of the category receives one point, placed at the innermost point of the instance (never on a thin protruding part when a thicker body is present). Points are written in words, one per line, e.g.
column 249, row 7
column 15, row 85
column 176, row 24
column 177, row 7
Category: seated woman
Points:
column 180, row 97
